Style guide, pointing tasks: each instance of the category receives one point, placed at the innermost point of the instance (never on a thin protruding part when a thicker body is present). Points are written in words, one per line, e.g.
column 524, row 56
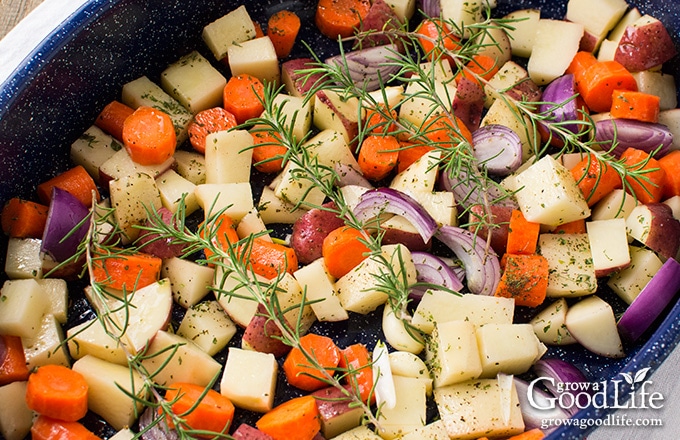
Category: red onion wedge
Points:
column 482, row 268
column 630, row 133
column 561, row 377
column 498, row 149
column 348, row 175
column 431, row 269
column 537, row 406
column 560, row 104
column 151, row 429
column 62, row 235
column 468, row 192
column 390, row 200
column 431, row 8
column 369, row 67
column 652, row 300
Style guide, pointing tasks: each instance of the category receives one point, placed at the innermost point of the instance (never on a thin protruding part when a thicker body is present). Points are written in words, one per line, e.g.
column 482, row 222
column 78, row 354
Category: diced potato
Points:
column 629, row 18
column 452, row 353
column 507, row 348
column 555, row 44
column 659, row 84
column 92, row 149
column 404, row 363
column 548, row 194
column 319, row 288
column 56, row 292
column 236, row 199
column 597, row 16
column 131, row 196
column 463, row 13
column 442, row 70
column 479, row 408
column 509, row 75
column 441, row 205
column 570, row 263
column 191, row 166
column 23, row 258
column 230, row 29
column 592, row 322
column 189, row 281
column 337, row 413
column 22, row 305
column 608, row 245
column 524, row 33
column 272, row 209
column 109, row 389
column 549, row 325
column 255, row 57
column 432, row 431
column 16, row 417
column 439, row 306
column 404, row 9
column 207, row 325
column 409, row 413
column 671, row 119
column 234, row 297
column 420, row 176
column 142, row 91
column 228, row 156
column 357, row 290
column 362, row 432
column 172, row 188
column 334, row 111
column 674, row 204
column 176, row 359
column 123, row 434
column 91, row 338
column 297, row 114
column 120, row 164
column 629, row 282
column 420, row 106
column 289, row 295
column 616, row 204
column 502, row 113
column 47, row 346
column 249, row 379
column 194, row 82
column 252, row 223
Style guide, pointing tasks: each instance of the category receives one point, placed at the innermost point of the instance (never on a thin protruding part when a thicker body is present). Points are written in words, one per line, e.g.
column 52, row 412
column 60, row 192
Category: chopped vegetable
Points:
column 200, row 408
column 57, row 392
column 649, row 187
column 76, row 181
column 295, row 419
column 480, row 66
column 599, row 82
column 670, row 163
column 46, row 428
column 112, row 117
column 595, row 178
column 206, row 122
column 12, row 360
column 652, row 138
column 243, row 97
column 343, row 249
column 340, row 18
column 378, row 156
column 639, row 106
column 64, row 229
column 270, row 259
column 437, row 40
column 357, row 361
column 268, row 151
column 525, row 278
column 522, row 234
column 149, row 136
column 23, row 218
column 127, row 271
column 302, row 372
column 282, row 29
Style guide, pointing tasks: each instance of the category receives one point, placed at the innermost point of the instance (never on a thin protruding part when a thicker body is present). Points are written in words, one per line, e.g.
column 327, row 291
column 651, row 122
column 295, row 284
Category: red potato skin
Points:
column 262, row 334
column 162, row 248
column 351, row 127
column 501, row 216
column 332, row 402
column 664, row 231
column 247, row 432
column 310, row 230
column 300, row 82
column 412, row 240
column 380, row 17
column 644, row 47
column 468, row 104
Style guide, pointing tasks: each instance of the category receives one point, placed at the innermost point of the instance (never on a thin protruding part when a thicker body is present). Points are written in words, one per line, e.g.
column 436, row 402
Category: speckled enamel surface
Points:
column 57, row 94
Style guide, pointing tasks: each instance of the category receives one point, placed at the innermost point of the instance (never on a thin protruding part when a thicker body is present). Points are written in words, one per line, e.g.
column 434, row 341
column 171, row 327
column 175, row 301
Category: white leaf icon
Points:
column 640, row 375
column 628, row 378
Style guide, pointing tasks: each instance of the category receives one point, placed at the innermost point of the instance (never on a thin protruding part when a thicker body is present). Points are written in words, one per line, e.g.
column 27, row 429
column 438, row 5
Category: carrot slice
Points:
column 300, row 372
column 258, row 29
column 23, row 218
column 525, row 278
column 445, row 131
column 670, row 163
column 599, row 82
column 343, row 249
column 436, row 40
column 378, row 122
column 12, row 360
column 480, row 66
column 649, row 187
column 595, row 178
column 268, row 152
column 356, row 359
column 58, row 392
column 522, row 234
column 149, row 136
column 243, row 97
column 640, row 106
column 208, row 121
column 210, row 412
column 410, row 153
column 268, row 259
column 225, row 234
column 573, row 227
column 47, row 428
column 76, row 181
column 532, row 434
column 294, row 419
column 579, row 64
column 112, row 117
column 127, row 271
column 339, row 18
column 378, row 156
column 282, row 29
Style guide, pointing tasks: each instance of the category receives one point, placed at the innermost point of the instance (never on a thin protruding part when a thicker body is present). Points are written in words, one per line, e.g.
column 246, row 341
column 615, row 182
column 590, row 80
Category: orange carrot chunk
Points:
column 47, row 428
column 343, row 249
column 446, row 132
column 573, row 227
column 640, row 106
column 599, row 82
column 76, row 181
column 149, row 136
column 378, row 156
column 303, row 374
column 579, row 64
column 357, row 361
column 58, row 392
column 282, row 29
column 211, row 412
column 670, row 163
column 127, row 271
column 595, row 178
column 294, row 419
column 532, row 434
column 225, row 234
column 112, row 117
column 410, row 153
column 23, row 218
column 208, row 121
column 436, row 40
column 522, row 234
column 243, row 97
column 339, row 18
column 13, row 360
column 268, row 152
column 525, row 278
column 648, row 187
column 270, row 259
column 480, row 66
